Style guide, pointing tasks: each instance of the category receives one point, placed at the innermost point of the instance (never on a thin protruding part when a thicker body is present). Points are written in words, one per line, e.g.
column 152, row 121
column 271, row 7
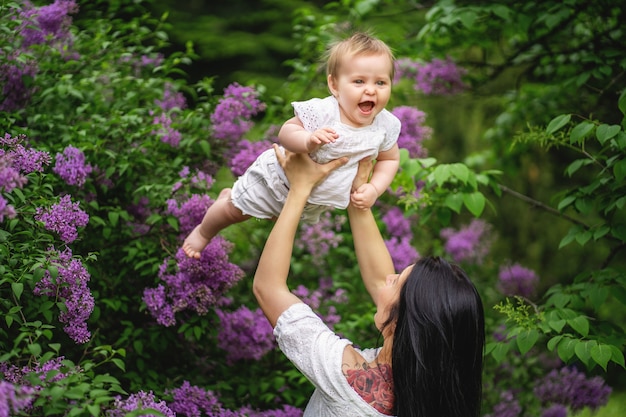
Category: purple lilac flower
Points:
column 508, row 406
column 70, row 285
column 412, row 132
column 517, row 280
column 195, row 284
column 29, row 160
column 190, row 212
column 318, row 238
column 397, row 225
column 63, row 218
column 470, row 243
column 555, row 410
column 6, row 210
column 245, row 334
column 16, row 84
column 231, row 118
column 247, row 152
column 48, row 22
column 71, row 167
column 152, row 61
column 570, row 387
column 439, row 77
column 319, row 300
column 172, row 99
column 14, row 398
column 193, row 401
column 10, row 178
column 137, row 402
column 402, row 252
column 165, row 131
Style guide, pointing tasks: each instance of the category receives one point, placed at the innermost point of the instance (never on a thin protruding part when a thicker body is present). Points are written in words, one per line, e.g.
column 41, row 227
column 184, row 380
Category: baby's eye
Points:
column 381, row 83
column 358, row 81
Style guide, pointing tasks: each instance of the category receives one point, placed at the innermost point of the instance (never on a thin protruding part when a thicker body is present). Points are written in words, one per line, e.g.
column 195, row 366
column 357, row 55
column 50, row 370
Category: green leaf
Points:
column 18, row 289
column 526, row 340
column 454, row 202
column 119, row 363
column 583, row 350
column 460, row 171
column 581, row 131
column 557, row 123
column 617, row 356
column 441, row 174
column 557, row 324
column 552, row 343
column 605, row 132
column 475, row 202
column 580, row 324
column 566, row 202
column 575, row 166
column 619, row 170
column 566, row 348
column 500, row 351
column 113, row 218
column 601, row 354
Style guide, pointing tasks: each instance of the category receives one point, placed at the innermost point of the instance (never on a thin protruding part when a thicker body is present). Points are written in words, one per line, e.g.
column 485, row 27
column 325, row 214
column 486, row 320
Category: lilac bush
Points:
column 516, row 280
column 63, row 218
column 413, row 131
column 244, row 334
column 572, row 388
column 470, row 243
column 71, row 166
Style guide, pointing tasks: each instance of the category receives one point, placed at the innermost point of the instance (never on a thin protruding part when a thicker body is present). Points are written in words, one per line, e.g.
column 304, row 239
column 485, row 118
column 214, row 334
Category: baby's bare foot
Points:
column 194, row 243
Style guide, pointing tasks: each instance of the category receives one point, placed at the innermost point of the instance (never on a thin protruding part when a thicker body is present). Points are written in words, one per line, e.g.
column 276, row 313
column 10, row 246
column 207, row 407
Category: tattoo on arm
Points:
column 374, row 385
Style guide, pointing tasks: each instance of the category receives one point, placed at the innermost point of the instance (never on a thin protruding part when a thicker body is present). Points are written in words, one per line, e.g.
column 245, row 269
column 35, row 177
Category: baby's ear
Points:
column 332, row 85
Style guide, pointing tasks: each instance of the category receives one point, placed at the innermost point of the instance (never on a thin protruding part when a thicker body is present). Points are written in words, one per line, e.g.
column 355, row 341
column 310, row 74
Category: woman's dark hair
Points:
column 437, row 353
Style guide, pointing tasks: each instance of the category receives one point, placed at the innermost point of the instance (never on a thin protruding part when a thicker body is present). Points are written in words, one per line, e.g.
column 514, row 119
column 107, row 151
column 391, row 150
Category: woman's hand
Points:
column 363, row 173
column 302, row 172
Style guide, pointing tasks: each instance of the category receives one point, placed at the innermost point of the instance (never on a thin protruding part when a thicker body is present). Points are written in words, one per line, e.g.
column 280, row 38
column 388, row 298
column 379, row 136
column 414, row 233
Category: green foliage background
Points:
column 535, row 146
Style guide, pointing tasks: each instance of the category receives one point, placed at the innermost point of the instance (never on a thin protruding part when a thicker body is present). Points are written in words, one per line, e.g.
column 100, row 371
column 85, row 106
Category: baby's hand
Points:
column 365, row 196
column 321, row 137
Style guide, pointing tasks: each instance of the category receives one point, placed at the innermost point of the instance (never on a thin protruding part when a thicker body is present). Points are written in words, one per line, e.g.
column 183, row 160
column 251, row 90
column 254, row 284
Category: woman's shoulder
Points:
column 371, row 381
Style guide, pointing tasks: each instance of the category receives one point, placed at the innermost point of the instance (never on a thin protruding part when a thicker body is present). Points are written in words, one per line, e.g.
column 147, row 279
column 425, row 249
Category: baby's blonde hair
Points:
column 360, row 43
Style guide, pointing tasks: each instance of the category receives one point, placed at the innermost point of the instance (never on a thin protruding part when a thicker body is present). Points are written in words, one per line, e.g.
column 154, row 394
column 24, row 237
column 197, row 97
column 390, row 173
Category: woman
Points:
column 430, row 317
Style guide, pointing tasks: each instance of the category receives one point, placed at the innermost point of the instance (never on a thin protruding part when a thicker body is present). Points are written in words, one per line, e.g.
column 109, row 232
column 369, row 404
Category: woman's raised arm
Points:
column 270, row 280
column 372, row 254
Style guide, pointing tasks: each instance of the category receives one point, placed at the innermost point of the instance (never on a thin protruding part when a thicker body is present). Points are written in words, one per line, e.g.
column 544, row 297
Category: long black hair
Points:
column 439, row 336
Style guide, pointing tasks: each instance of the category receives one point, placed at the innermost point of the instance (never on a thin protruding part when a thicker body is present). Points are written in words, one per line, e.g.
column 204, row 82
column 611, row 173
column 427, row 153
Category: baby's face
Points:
column 362, row 88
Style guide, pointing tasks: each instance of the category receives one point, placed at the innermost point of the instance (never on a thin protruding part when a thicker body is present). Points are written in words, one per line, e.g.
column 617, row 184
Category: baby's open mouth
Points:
column 366, row 106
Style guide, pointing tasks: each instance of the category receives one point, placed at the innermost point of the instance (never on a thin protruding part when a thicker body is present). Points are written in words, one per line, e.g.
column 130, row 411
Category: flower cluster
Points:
column 399, row 245
column 470, row 243
column 70, row 285
column 48, row 23
column 14, row 398
column 196, row 284
column 71, row 167
column 322, row 300
column 172, row 102
column 318, row 238
column 23, row 158
column 413, row 132
column 508, row 406
column 244, row 334
column 437, row 77
column 63, row 218
column 192, row 401
column 231, row 118
column 39, row 25
column 517, row 280
column 190, row 212
column 247, row 152
column 570, row 387
column 137, row 402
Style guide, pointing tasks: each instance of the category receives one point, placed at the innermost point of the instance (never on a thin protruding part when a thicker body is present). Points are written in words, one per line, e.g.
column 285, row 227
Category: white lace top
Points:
column 356, row 143
column 318, row 353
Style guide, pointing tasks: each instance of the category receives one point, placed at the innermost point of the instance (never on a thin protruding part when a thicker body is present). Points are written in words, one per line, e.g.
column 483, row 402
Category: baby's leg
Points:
column 220, row 215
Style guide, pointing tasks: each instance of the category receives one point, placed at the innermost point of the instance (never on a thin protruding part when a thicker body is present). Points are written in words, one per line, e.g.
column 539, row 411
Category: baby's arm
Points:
column 385, row 169
column 295, row 138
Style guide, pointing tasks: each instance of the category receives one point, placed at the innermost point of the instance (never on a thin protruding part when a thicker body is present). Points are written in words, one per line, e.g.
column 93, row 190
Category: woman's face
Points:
column 389, row 294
